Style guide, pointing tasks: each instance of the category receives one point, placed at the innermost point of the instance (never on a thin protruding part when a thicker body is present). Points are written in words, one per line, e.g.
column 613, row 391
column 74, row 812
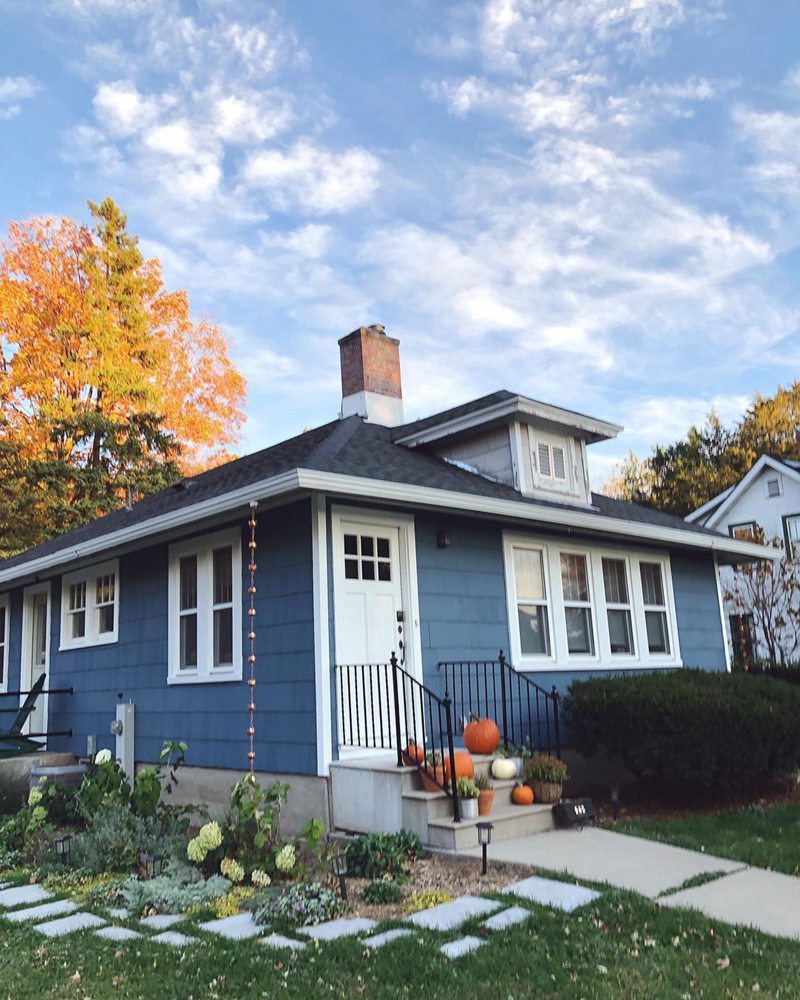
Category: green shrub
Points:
column 689, row 731
column 177, row 890
column 382, row 891
column 302, row 905
column 116, row 837
column 542, row 767
column 376, row 855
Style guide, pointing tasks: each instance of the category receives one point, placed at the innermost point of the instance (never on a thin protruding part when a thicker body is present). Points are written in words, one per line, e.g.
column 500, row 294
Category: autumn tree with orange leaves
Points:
column 108, row 387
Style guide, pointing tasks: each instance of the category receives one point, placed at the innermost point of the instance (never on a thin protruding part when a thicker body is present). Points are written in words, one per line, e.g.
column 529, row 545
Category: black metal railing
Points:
column 380, row 706
column 23, row 713
column 526, row 713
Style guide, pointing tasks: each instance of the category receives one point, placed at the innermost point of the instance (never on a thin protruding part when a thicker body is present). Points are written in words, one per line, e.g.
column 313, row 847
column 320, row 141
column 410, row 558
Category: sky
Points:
column 590, row 202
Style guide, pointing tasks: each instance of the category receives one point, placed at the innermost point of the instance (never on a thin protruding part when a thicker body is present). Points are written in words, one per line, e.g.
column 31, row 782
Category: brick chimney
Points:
column 371, row 376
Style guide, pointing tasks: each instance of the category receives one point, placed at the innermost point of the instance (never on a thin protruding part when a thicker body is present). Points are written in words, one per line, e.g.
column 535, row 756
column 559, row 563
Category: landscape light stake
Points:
column 484, row 839
column 63, row 846
column 153, row 864
column 615, row 802
column 340, row 870
column 251, row 638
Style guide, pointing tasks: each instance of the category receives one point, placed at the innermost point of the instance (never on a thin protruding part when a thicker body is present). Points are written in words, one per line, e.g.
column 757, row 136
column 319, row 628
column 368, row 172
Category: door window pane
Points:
column 351, row 569
column 534, row 633
column 350, row 545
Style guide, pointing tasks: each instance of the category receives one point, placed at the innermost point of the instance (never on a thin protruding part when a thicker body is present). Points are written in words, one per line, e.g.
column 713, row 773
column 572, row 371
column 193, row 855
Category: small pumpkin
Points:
column 522, row 795
column 503, row 768
column 464, row 767
column 414, row 754
column 482, row 736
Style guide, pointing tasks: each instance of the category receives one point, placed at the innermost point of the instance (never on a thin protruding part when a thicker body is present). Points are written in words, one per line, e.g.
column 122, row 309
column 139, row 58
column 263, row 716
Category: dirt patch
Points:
column 438, row 873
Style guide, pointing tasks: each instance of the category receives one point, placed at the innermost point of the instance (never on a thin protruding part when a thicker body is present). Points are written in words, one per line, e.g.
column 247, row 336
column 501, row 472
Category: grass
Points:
column 767, row 836
column 621, row 946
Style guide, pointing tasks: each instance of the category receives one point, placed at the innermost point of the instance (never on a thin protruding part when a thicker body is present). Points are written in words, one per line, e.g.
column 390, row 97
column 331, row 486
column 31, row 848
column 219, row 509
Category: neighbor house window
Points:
column 5, row 623
column 532, row 606
column 205, row 600
column 655, row 608
column 576, row 591
column 90, row 606
column 747, row 531
column 618, row 606
column 773, row 487
column 791, row 531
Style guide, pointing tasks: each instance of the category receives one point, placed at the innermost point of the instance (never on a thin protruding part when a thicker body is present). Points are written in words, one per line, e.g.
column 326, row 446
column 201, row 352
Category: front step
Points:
column 508, row 823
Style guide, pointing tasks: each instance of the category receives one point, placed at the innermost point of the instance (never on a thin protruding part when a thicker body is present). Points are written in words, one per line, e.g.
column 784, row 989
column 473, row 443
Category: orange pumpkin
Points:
column 437, row 778
column 464, row 768
column 482, row 736
column 414, row 754
column 522, row 795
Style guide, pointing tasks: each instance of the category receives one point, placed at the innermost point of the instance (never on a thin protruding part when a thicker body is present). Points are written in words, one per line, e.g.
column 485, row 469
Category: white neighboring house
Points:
column 766, row 498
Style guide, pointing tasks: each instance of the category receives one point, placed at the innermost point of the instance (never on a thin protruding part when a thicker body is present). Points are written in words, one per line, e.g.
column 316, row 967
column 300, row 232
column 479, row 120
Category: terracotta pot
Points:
column 485, row 801
column 429, row 784
column 545, row 792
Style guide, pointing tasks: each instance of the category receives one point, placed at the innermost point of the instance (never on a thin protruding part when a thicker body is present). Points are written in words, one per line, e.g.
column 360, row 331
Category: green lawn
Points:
column 622, row 946
column 767, row 836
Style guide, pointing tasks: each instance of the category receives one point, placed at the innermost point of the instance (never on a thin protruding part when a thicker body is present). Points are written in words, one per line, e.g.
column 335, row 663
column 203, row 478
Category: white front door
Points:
column 375, row 600
column 36, row 651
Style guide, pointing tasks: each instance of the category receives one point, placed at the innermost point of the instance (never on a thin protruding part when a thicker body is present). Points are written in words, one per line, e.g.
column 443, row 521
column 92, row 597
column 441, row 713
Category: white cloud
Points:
column 664, row 419
column 14, row 90
column 122, row 111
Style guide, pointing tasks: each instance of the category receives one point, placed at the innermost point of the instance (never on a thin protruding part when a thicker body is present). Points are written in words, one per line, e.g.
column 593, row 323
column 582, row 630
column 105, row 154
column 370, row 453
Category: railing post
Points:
column 448, row 714
column 393, row 661
column 556, row 730
column 502, row 661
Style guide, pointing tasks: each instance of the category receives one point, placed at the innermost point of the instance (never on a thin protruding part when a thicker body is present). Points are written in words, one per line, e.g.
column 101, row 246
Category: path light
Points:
column 340, row 869
column 153, row 864
column 484, row 839
column 63, row 846
column 615, row 802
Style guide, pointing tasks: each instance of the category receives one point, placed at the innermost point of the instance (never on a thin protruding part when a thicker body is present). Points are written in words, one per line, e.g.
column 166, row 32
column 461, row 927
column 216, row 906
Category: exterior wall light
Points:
column 443, row 539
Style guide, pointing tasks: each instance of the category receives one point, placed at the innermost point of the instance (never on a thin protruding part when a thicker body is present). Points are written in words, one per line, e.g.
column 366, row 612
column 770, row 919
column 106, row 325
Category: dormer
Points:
column 536, row 448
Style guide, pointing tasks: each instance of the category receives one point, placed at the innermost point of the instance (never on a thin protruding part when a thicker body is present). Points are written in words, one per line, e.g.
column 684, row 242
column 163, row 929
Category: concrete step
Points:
column 508, row 822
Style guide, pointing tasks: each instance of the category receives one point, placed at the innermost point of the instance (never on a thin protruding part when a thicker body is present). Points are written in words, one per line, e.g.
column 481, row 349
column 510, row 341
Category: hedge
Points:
column 690, row 732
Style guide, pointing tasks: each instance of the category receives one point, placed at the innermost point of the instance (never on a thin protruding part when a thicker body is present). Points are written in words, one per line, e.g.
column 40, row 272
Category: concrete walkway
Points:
column 753, row 897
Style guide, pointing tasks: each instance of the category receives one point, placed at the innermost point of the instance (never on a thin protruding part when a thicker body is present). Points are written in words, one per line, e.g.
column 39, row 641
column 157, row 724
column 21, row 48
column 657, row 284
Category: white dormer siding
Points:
column 553, row 465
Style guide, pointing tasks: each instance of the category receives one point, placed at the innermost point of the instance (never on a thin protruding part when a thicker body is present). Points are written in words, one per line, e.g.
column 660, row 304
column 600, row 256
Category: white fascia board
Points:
column 709, row 505
column 378, row 489
column 261, row 490
column 510, row 408
column 766, row 461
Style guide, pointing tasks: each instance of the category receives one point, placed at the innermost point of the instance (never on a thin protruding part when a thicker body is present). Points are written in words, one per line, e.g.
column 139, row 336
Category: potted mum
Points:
column 468, row 793
column 546, row 776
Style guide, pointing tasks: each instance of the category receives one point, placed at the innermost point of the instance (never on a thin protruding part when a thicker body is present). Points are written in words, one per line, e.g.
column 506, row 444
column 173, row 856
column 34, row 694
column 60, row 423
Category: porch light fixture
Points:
column 443, row 539
column 484, row 839
column 615, row 802
column 63, row 846
column 340, row 870
column 153, row 864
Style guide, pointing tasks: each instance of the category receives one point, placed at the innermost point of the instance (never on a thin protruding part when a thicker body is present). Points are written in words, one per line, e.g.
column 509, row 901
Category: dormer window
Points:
column 551, row 462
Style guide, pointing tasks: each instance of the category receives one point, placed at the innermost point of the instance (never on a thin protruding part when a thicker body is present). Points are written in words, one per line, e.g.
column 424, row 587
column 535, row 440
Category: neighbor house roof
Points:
column 354, row 458
column 712, row 511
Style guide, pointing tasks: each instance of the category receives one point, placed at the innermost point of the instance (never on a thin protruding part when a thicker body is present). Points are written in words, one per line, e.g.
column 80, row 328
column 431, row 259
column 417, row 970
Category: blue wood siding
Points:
column 212, row 717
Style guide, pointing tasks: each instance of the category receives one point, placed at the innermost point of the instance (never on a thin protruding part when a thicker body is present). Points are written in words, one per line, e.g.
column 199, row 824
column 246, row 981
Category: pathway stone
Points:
column 508, row 918
column 549, row 892
column 161, row 921
column 279, row 941
column 118, row 912
column 235, row 928
column 333, row 929
column 449, row 916
column 54, row 909
column 70, row 924
column 463, row 946
column 117, row 933
column 175, row 938
column 379, row 940
column 19, row 894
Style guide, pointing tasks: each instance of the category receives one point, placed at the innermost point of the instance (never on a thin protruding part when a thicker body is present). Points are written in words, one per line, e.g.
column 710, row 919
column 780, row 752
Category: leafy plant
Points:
column 482, row 782
column 116, row 837
column 523, row 750
column 425, row 900
column 104, row 785
column 467, row 788
column 177, row 890
column 152, row 782
column 382, row 891
column 543, row 767
column 302, row 905
column 376, row 855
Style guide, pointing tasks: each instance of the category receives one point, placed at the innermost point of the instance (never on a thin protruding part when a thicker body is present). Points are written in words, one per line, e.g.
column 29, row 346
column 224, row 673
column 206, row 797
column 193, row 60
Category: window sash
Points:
column 90, row 606
column 533, row 614
column 792, row 531
column 619, row 609
column 577, row 595
column 655, row 608
column 4, row 630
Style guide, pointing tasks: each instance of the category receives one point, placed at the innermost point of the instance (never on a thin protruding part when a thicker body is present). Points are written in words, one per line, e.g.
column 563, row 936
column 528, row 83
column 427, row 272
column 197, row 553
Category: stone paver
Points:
column 768, row 901
column 175, row 938
column 508, row 918
column 279, row 941
column 549, row 892
column 19, row 894
column 118, row 912
column 70, row 924
column 333, row 929
column 595, row 855
column 449, row 916
column 379, row 940
column 117, row 933
column 161, row 921
column 463, row 946
column 54, row 909
column 235, row 928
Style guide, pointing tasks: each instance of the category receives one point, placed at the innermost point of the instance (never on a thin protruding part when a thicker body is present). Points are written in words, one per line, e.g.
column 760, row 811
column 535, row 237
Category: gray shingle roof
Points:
column 350, row 447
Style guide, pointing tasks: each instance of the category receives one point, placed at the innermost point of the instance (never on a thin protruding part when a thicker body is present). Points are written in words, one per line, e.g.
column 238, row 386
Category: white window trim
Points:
column 203, row 547
column 512, row 601
column 5, row 603
column 89, row 576
column 603, row 659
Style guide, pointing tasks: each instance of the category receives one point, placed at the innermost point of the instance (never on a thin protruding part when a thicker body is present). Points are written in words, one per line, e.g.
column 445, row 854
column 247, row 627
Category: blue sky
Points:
column 592, row 202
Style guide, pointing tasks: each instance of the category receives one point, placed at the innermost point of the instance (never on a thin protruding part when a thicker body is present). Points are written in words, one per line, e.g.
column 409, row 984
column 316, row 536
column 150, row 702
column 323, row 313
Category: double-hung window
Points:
column 576, row 591
column 5, row 616
column 90, row 606
column 655, row 608
column 791, row 531
column 618, row 606
column 205, row 602
column 532, row 605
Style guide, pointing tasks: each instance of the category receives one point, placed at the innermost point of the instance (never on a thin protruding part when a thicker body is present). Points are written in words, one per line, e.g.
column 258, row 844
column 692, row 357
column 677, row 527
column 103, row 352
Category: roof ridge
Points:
column 332, row 444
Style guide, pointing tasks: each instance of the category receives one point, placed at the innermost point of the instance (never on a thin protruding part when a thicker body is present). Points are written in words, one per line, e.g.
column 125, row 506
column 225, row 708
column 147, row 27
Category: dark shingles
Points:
column 473, row 406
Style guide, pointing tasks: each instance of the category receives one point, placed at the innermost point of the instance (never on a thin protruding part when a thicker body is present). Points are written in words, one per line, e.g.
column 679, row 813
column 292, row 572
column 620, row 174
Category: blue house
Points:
column 442, row 541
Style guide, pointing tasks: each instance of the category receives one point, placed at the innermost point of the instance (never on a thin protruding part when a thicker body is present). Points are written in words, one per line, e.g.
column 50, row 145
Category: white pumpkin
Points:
column 503, row 768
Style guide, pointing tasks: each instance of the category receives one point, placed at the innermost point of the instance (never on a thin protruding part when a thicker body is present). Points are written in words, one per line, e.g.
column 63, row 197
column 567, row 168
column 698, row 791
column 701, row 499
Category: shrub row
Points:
column 688, row 731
